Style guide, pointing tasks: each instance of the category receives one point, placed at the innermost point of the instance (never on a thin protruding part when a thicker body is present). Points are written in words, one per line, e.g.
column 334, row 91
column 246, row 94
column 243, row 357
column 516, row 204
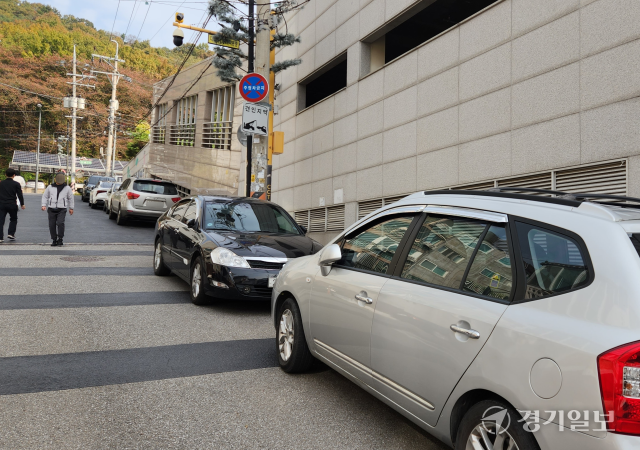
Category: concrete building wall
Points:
column 522, row 87
column 197, row 166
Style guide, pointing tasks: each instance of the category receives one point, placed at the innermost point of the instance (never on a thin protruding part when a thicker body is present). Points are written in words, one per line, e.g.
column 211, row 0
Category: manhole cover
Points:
column 81, row 258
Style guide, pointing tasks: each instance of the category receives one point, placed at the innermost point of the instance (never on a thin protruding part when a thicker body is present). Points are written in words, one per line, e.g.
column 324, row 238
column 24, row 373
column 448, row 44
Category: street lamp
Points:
column 38, row 147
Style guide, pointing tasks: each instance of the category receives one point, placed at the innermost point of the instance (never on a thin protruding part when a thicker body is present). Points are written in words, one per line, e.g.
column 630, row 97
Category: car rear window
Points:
column 105, row 185
column 93, row 180
column 155, row 187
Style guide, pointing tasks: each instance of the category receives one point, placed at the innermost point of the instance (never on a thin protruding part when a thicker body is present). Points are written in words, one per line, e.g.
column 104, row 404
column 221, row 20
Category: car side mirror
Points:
column 330, row 255
column 304, row 229
column 191, row 223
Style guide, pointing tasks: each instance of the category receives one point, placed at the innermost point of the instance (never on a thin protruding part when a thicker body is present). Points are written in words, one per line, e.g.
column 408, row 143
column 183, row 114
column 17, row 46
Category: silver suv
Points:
column 493, row 320
column 142, row 198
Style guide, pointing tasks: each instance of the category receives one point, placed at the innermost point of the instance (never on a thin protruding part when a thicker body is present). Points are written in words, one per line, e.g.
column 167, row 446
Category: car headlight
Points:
column 224, row 257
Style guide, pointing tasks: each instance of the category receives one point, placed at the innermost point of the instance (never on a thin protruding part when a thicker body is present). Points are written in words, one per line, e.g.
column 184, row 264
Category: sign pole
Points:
column 250, row 70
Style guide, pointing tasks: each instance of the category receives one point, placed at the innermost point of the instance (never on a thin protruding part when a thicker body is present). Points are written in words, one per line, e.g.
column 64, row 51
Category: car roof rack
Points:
column 560, row 197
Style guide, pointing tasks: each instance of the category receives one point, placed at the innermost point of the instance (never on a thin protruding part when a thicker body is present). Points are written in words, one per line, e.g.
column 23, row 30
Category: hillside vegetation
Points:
column 36, row 49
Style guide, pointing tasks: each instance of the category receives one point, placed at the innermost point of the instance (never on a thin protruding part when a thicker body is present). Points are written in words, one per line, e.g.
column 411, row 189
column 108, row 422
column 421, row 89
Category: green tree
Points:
column 139, row 138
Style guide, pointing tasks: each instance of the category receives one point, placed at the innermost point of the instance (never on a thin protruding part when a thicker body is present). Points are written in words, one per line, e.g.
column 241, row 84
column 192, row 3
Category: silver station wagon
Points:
column 492, row 319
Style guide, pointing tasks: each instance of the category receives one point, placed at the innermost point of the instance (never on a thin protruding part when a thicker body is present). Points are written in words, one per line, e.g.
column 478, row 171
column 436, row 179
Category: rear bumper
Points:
column 130, row 212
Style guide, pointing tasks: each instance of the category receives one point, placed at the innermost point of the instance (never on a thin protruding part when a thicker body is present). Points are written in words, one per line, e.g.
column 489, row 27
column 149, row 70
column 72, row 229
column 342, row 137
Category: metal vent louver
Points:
column 390, row 200
column 335, row 218
column 302, row 218
column 538, row 181
column 608, row 178
column 317, row 220
column 367, row 207
column 476, row 187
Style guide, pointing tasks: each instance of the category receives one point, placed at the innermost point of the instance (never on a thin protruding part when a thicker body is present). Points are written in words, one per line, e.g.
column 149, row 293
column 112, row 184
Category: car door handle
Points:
column 473, row 334
column 362, row 297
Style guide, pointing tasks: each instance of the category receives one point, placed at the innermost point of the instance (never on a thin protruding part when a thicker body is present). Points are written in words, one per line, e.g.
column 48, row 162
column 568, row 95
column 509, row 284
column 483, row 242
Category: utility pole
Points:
column 250, row 69
column 38, row 147
column 75, row 103
column 272, row 86
column 114, row 77
column 262, row 67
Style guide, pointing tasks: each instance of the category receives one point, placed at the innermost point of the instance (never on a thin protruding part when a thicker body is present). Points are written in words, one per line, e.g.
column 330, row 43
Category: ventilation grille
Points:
column 538, row 181
column 610, row 178
column 477, row 186
column 390, row 200
column 302, row 218
column 366, row 208
column 317, row 220
column 335, row 218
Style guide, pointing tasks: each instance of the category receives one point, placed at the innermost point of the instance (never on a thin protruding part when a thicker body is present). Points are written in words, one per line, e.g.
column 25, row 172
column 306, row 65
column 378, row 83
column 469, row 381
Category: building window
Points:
column 217, row 133
column 422, row 22
column 323, row 83
column 160, row 129
column 184, row 131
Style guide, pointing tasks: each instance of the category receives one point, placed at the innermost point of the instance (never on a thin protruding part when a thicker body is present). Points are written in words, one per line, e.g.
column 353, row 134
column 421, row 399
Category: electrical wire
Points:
column 30, row 92
column 133, row 12
column 114, row 20
column 165, row 23
column 145, row 19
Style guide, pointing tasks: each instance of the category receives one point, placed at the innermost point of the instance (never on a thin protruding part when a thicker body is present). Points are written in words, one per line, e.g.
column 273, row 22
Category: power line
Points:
column 133, row 12
column 145, row 19
column 114, row 20
column 31, row 92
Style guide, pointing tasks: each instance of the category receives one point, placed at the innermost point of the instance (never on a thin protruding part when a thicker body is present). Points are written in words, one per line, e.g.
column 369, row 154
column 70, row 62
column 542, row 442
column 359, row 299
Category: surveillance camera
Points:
column 179, row 17
column 178, row 37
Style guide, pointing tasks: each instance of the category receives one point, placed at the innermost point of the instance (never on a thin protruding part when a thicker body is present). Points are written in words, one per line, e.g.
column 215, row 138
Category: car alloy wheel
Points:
column 490, row 436
column 196, row 278
column 286, row 335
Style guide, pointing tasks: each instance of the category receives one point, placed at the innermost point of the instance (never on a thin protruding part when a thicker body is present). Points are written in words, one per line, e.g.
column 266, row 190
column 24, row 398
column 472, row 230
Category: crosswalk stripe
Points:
column 37, row 285
column 96, row 300
column 29, row 374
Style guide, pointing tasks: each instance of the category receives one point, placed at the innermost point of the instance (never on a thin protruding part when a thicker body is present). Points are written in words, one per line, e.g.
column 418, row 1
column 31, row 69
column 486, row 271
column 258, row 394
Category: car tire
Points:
column 197, row 283
column 112, row 215
column 93, row 206
column 472, row 428
column 294, row 355
column 120, row 220
column 159, row 267
column 84, row 199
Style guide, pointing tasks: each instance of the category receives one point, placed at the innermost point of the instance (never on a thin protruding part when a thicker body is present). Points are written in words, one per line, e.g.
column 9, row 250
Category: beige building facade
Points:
column 193, row 141
column 537, row 93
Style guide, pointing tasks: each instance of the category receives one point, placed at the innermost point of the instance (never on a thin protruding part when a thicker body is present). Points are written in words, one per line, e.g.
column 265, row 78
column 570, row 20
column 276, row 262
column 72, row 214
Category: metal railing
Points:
column 158, row 135
column 217, row 135
column 182, row 135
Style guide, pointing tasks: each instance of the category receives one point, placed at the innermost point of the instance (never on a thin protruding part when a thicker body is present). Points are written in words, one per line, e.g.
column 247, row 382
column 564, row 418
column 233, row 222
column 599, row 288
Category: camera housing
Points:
column 178, row 37
column 179, row 17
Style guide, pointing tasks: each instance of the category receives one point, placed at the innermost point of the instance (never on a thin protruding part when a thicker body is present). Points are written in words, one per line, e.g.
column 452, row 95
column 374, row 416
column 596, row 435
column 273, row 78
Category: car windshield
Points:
column 155, row 187
column 93, row 180
column 249, row 217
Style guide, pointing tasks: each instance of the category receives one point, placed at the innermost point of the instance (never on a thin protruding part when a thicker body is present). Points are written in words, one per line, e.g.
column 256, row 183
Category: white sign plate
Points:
column 272, row 280
column 255, row 119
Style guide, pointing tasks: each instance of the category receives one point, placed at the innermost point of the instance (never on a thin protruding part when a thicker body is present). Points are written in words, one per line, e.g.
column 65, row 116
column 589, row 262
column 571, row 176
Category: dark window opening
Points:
column 326, row 84
column 428, row 23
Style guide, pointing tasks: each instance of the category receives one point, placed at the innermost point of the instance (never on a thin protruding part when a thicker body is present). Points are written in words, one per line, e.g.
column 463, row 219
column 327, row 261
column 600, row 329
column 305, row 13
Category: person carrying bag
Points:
column 57, row 198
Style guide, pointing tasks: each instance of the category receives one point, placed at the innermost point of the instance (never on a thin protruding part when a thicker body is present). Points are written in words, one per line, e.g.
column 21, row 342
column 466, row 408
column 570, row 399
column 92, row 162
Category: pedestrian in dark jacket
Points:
column 10, row 192
column 57, row 198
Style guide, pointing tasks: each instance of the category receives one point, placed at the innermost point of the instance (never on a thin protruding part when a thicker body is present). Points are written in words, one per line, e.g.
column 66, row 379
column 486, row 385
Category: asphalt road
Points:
column 85, row 226
column 97, row 352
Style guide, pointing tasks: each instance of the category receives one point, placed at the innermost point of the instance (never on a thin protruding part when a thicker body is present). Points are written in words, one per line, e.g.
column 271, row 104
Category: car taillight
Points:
column 619, row 371
column 132, row 195
column 99, row 192
column 175, row 199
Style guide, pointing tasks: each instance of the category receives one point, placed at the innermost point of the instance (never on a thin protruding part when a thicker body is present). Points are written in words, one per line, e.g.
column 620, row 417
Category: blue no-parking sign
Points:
column 254, row 87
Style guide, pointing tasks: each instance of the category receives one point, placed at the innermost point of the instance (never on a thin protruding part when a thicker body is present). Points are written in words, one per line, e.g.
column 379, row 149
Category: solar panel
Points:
column 23, row 158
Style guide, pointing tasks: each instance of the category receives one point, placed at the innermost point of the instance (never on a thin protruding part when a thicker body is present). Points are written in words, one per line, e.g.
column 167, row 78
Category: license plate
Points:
column 272, row 280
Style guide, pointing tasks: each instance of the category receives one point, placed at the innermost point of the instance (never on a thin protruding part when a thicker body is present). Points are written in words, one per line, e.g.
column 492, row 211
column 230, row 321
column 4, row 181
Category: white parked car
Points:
column 32, row 185
column 106, row 205
column 98, row 194
column 493, row 320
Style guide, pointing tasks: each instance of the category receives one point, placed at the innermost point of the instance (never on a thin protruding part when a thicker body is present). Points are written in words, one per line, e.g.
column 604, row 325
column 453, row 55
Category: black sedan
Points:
column 228, row 248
